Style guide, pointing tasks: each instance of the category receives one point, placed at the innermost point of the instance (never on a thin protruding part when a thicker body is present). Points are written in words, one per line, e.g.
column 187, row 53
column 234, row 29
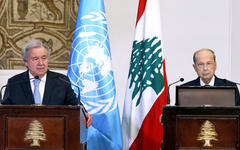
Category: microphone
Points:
column 36, row 77
column 180, row 80
column 168, row 98
column 83, row 110
column 14, row 83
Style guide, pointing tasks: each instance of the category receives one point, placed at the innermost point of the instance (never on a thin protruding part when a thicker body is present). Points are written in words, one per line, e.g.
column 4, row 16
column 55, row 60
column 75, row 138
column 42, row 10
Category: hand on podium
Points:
column 87, row 122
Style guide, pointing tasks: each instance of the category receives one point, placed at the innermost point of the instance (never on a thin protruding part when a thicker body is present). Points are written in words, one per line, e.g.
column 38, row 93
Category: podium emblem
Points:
column 207, row 133
column 35, row 133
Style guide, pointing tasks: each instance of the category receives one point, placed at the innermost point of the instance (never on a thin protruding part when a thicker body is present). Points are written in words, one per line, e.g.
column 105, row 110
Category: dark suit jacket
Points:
column 57, row 92
column 218, row 82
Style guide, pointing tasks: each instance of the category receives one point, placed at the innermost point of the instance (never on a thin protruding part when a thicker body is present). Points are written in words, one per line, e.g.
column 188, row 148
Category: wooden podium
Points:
column 196, row 128
column 39, row 127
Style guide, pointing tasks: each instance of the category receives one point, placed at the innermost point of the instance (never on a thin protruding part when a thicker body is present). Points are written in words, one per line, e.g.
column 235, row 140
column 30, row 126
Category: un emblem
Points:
column 90, row 64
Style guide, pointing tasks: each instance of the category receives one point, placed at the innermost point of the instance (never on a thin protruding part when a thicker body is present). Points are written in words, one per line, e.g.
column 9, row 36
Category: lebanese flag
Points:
column 147, row 86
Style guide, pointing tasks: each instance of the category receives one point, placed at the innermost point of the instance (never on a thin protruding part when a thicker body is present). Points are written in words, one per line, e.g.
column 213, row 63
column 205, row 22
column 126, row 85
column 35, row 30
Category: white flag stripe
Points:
column 135, row 110
column 149, row 22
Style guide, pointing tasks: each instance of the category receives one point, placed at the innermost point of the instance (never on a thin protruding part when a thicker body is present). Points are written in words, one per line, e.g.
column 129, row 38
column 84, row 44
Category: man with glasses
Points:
column 205, row 66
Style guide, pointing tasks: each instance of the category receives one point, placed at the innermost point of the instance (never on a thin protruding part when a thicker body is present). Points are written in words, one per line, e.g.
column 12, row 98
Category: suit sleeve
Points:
column 71, row 98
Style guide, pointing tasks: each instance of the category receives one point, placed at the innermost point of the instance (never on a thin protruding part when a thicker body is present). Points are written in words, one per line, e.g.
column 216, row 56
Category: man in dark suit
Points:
column 56, row 91
column 205, row 66
column 50, row 89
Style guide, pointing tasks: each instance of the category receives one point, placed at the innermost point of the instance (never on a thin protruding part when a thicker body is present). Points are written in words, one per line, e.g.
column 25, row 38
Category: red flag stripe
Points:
column 146, row 138
column 141, row 9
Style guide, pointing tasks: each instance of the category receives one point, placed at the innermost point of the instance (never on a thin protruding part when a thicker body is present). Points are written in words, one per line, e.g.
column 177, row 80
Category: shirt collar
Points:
column 42, row 79
column 211, row 83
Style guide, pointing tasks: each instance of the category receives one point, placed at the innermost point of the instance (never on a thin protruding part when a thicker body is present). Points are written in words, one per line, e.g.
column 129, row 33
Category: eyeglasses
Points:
column 208, row 65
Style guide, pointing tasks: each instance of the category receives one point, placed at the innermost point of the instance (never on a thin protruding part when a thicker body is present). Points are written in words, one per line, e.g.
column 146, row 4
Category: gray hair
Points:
column 207, row 49
column 33, row 44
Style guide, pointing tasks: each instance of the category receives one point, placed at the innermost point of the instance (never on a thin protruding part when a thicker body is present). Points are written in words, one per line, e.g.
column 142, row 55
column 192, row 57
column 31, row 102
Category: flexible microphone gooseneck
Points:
column 83, row 110
column 14, row 83
column 168, row 98
column 180, row 80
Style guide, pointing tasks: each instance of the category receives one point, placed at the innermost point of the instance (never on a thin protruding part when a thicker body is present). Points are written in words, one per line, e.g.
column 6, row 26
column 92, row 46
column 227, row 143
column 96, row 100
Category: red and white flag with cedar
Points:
column 147, row 86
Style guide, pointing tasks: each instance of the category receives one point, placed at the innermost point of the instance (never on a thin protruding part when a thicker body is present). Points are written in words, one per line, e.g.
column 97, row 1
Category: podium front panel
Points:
column 47, row 131
column 40, row 127
column 200, row 128
column 220, row 130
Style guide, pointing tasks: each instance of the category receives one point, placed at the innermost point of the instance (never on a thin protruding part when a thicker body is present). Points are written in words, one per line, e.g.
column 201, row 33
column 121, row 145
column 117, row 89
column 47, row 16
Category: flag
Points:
column 147, row 88
column 90, row 69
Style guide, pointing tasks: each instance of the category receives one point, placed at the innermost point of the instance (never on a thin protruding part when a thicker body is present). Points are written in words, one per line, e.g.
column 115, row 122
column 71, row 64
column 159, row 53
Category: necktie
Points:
column 37, row 97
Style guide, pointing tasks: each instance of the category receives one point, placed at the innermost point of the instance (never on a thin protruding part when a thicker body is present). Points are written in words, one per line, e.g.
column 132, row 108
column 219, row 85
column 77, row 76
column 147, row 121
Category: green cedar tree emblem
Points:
column 145, row 66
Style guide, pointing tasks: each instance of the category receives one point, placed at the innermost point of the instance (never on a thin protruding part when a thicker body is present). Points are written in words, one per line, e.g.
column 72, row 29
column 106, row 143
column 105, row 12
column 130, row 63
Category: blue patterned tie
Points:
column 37, row 97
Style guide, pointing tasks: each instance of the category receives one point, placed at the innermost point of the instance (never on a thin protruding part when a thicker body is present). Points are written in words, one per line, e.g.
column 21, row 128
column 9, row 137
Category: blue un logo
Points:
column 90, row 64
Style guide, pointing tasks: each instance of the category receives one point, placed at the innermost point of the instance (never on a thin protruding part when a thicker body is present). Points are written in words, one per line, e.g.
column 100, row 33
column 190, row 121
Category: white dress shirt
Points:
column 211, row 83
column 41, row 84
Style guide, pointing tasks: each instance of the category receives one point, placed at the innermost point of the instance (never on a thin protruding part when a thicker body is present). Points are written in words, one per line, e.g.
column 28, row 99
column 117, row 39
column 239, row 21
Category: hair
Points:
column 33, row 44
column 207, row 49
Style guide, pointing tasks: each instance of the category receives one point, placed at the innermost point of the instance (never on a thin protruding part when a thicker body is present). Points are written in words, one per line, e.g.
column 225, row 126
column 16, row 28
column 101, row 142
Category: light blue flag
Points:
column 90, row 69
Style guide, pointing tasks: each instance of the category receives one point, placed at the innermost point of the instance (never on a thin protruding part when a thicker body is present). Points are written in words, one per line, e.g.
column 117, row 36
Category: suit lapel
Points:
column 48, row 88
column 27, row 88
column 198, row 81
column 218, row 82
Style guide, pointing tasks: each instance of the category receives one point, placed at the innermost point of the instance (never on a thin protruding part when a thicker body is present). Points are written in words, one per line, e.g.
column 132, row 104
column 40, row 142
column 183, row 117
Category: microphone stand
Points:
column 1, row 98
column 168, row 97
column 80, row 103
